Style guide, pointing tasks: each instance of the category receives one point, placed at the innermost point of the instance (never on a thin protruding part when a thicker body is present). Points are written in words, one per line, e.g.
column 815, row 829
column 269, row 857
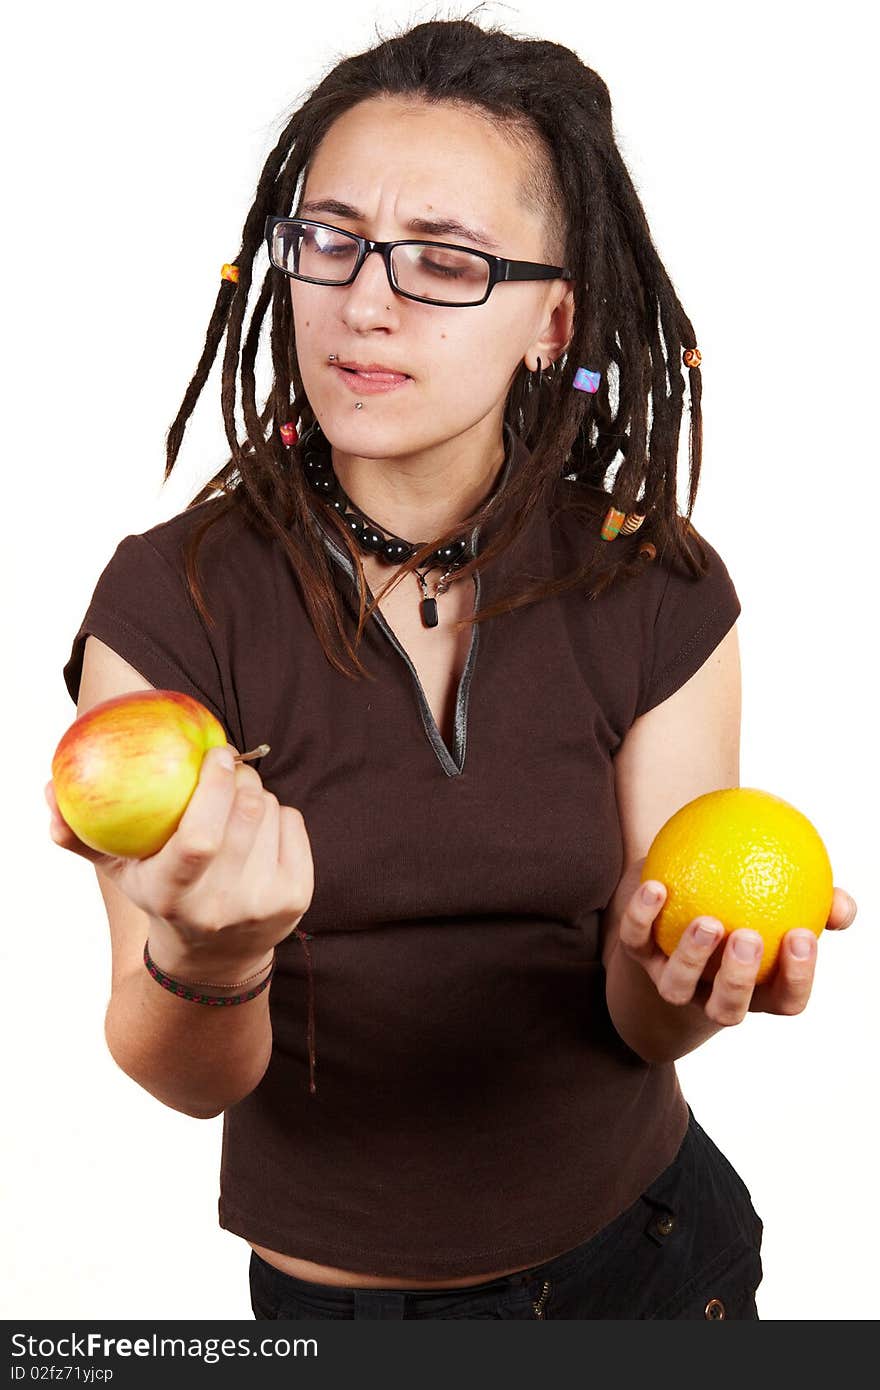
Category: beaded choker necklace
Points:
column 372, row 538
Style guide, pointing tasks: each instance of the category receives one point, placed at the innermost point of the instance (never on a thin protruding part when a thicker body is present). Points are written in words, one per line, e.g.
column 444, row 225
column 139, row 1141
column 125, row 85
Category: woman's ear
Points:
column 554, row 341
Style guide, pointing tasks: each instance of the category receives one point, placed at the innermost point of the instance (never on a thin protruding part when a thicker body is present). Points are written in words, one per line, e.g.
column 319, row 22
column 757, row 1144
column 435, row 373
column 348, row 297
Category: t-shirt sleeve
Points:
column 692, row 617
column 142, row 608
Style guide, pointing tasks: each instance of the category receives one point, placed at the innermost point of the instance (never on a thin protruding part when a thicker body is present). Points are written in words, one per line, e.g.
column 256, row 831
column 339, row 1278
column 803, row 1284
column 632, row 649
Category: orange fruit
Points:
column 747, row 858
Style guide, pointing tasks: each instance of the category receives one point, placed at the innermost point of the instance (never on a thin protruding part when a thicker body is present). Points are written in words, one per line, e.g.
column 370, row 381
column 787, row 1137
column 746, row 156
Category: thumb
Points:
column 639, row 915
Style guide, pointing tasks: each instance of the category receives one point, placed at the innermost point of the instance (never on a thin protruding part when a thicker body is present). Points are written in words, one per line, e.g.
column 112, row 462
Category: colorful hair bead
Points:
column 632, row 523
column 288, row 433
column 612, row 523
column 692, row 357
column 229, row 272
column 585, row 380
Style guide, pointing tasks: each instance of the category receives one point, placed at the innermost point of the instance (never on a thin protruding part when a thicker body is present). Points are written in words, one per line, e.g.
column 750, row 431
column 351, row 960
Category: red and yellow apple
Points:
column 124, row 772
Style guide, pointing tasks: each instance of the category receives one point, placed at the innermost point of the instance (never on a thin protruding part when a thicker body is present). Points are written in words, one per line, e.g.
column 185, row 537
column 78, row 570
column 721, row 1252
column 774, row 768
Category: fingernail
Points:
column 226, row 758
column 650, row 895
column 706, row 932
column 747, row 948
column 851, row 915
column 802, row 943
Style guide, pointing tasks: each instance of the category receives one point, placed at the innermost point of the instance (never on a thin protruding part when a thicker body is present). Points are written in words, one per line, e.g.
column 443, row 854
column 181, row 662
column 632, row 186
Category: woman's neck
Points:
column 417, row 496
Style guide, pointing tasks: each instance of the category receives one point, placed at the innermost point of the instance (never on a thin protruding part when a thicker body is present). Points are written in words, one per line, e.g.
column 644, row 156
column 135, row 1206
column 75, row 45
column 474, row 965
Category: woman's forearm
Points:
column 655, row 1030
column 196, row 1058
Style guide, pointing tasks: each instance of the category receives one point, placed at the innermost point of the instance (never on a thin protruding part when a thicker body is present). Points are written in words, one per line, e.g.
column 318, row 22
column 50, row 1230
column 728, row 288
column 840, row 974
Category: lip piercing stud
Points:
column 359, row 405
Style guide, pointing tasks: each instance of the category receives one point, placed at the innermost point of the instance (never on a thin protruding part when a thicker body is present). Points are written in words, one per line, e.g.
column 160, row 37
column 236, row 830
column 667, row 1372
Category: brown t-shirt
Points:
column 475, row 1107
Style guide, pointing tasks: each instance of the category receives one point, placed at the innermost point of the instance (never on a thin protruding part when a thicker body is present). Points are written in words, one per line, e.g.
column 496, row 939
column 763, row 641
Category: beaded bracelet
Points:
column 210, row 984
column 175, row 986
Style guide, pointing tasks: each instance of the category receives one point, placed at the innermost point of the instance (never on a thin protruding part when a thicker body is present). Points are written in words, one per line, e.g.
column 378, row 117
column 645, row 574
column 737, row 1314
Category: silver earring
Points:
column 549, row 375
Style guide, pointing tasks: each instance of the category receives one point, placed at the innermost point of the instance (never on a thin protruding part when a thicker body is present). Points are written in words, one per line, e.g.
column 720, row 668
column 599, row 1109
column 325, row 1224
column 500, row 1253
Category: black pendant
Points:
column 429, row 612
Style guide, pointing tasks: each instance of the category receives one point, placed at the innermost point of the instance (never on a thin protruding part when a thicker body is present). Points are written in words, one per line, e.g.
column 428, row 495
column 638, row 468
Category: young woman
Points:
column 444, row 578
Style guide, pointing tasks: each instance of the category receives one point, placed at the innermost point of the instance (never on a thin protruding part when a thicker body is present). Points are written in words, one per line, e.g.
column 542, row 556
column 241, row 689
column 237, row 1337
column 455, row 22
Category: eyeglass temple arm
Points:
column 531, row 270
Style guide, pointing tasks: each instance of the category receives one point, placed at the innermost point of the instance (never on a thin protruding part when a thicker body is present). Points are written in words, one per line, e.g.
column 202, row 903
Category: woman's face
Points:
column 393, row 161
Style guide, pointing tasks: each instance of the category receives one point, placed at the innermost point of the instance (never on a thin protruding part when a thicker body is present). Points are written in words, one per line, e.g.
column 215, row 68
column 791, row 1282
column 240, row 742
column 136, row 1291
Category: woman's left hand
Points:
column 732, row 993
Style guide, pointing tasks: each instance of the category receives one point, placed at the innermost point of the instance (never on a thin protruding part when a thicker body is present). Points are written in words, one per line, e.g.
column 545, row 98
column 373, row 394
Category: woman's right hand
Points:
column 233, row 880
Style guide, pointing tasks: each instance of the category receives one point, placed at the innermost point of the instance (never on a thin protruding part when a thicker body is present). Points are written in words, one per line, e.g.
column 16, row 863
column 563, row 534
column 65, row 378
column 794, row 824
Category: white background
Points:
column 134, row 139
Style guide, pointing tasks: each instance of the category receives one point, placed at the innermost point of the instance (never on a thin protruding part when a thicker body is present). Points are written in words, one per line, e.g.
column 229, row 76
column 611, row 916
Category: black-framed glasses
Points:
column 433, row 272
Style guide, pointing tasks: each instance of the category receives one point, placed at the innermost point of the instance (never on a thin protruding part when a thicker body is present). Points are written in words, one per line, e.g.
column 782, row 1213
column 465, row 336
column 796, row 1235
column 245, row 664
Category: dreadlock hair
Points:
column 628, row 324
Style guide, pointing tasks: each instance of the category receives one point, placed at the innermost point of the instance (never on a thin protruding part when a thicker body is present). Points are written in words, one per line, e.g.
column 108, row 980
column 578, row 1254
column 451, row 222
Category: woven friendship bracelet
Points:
column 181, row 990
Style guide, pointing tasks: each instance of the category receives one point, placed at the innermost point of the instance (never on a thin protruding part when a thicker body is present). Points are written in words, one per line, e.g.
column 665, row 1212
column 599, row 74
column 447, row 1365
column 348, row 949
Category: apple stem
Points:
column 260, row 751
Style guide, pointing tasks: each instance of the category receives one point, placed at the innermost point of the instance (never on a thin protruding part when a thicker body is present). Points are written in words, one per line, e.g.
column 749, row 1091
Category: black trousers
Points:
column 688, row 1247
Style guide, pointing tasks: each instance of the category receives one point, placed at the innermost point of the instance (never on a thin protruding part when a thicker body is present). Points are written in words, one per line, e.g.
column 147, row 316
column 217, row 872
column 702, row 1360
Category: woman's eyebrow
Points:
column 434, row 226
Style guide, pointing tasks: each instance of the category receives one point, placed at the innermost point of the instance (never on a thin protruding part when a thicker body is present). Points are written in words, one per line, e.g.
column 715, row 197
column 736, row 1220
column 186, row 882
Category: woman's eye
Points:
column 315, row 248
column 449, row 272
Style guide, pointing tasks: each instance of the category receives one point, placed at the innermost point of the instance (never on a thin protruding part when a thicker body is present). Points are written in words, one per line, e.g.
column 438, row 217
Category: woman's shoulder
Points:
column 218, row 513
column 216, row 531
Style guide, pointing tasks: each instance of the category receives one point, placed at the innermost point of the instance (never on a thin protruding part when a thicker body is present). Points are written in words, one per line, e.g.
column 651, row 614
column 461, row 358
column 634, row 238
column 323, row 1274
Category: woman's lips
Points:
column 373, row 384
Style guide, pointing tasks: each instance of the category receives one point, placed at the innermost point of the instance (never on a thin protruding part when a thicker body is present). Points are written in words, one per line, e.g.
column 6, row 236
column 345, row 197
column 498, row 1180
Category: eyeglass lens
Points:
column 426, row 269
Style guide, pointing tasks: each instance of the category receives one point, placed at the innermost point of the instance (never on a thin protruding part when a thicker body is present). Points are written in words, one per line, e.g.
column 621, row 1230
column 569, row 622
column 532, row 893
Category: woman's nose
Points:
column 373, row 273
column 371, row 290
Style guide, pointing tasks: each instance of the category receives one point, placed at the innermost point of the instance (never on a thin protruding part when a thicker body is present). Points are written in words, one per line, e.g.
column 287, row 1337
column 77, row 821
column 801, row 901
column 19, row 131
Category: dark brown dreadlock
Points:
column 628, row 325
